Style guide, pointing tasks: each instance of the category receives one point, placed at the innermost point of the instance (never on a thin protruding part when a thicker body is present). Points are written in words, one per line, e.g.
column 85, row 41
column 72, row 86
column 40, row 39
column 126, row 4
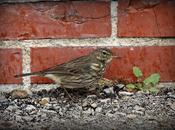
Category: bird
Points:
column 81, row 72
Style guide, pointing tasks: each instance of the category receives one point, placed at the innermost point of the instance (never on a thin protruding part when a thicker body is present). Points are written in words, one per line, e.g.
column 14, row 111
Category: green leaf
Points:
column 130, row 86
column 137, row 72
column 154, row 79
column 139, row 86
column 154, row 90
column 144, row 90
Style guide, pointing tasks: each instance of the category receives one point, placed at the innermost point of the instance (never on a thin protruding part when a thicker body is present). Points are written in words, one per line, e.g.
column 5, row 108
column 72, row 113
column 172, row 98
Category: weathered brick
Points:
column 159, row 59
column 140, row 18
column 10, row 65
column 77, row 19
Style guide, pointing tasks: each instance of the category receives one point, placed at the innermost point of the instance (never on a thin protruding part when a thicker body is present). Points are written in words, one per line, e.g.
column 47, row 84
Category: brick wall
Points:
column 35, row 36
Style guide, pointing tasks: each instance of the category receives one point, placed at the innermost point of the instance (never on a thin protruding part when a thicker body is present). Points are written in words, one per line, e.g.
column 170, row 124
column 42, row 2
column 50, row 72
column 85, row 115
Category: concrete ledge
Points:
column 39, row 87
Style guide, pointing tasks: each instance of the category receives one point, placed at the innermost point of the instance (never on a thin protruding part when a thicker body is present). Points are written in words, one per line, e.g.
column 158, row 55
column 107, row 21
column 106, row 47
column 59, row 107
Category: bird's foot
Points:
column 70, row 97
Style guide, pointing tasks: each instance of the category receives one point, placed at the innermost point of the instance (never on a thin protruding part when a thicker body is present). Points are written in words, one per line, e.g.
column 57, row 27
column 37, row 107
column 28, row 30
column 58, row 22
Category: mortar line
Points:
column 26, row 66
column 113, row 19
column 111, row 41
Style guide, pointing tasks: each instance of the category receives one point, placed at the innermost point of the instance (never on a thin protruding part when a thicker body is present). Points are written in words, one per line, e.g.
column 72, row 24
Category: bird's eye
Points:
column 104, row 53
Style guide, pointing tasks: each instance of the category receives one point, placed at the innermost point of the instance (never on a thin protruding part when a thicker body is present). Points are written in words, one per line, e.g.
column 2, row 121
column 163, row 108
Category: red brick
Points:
column 10, row 65
column 23, row 1
column 146, row 18
column 159, row 59
column 78, row 19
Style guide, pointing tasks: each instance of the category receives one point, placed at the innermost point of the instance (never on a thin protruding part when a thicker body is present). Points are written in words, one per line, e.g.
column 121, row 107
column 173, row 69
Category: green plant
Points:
column 146, row 85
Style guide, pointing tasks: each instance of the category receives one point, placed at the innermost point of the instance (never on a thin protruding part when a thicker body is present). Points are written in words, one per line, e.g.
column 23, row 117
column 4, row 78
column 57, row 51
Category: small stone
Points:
column 107, row 100
column 49, row 111
column 20, row 94
column 94, row 105
column 30, row 108
column 18, row 112
column 120, row 113
column 3, row 98
column 85, row 104
column 56, row 106
column 92, row 96
column 98, row 109
column 27, row 118
column 120, row 85
column 44, row 101
column 124, row 93
column 89, row 111
column 172, row 105
column 41, row 114
column 170, row 95
column 138, row 108
column 139, row 93
column 109, row 90
column 6, row 125
column 61, row 113
column 4, row 103
column 110, row 114
column 12, row 108
column 131, row 116
column 138, row 112
column 18, row 118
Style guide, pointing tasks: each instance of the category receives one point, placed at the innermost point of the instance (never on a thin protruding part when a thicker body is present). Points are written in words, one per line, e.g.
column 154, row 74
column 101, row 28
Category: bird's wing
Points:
column 76, row 66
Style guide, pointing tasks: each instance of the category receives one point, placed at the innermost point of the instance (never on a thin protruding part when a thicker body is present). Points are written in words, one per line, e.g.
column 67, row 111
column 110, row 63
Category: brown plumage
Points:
column 82, row 72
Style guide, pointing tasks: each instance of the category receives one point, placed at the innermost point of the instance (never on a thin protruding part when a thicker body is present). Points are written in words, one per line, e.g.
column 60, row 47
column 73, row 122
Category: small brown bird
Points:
column 82, row 72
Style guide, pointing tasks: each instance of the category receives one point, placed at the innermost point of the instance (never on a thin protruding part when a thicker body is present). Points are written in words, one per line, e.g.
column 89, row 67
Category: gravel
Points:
column 129, row 111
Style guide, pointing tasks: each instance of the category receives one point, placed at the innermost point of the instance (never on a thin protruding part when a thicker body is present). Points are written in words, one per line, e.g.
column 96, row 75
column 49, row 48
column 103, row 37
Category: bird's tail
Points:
column 27, row 74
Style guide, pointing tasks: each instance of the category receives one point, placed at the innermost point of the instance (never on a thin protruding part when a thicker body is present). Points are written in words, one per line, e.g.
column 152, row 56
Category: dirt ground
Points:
column 53, row 110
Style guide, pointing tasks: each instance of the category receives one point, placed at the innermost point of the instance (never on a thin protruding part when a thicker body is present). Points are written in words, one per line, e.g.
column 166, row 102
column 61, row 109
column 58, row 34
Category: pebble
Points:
column 171, row 95
column 18, row 118
column 92, row 96
column 18, row 112
column 3, row 98
column 120, row 85
column 139, row 93
column 30, row 108
column 12, row 108
column 4, row 125
column 41, row 114
column 120, row 113
column 44, row 101
column 56, row 106
column 85, row 104
column 131, row 116
column 124, row 93
column 48, row 111
column 109, row 90
column 61, row 113
column 136, row 109
column 109, row 114
column 98, row 109
column 27, row 118
column 107, row 100
column 94, row 105
column 4, row 103
column 172, row 105
column 138, row 112
column 18, row 93
column 89, row 111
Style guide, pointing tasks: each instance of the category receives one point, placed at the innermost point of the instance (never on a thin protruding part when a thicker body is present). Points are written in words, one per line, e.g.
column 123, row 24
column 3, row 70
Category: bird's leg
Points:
column 67, row 93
